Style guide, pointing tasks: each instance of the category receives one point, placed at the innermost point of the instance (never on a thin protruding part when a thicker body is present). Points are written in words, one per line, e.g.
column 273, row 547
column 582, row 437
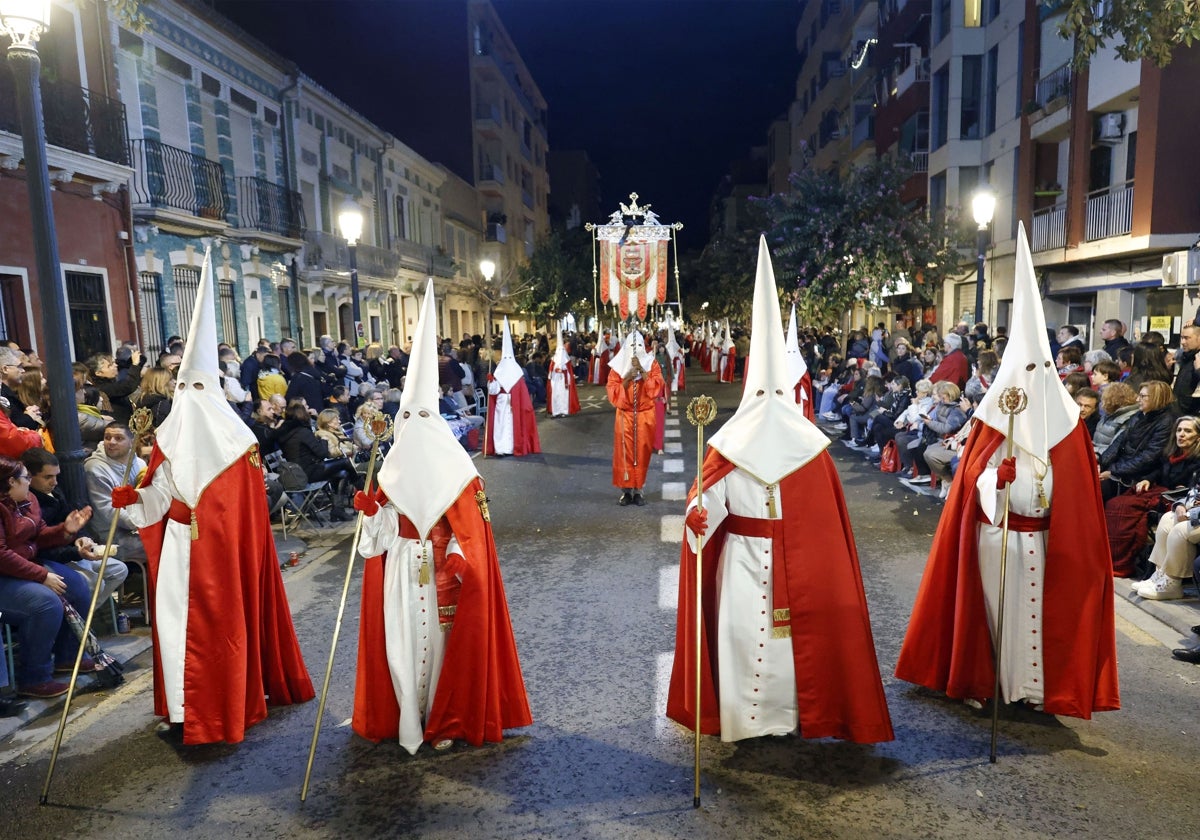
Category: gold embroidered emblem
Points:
column 481, row 499
column 784, row 632
column 784, row 614
column 254, row 460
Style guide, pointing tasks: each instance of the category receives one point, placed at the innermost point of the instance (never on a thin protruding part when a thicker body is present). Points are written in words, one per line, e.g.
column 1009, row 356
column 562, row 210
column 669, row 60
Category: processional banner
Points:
column 633, row 273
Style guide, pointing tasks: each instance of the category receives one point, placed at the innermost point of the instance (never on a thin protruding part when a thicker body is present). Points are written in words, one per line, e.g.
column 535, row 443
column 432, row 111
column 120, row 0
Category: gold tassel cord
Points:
column 140, row 424
column 379, row 428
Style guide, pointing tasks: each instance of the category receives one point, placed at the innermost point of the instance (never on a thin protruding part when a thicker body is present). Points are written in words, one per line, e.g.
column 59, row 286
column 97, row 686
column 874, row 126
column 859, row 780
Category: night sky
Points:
column 700, row 79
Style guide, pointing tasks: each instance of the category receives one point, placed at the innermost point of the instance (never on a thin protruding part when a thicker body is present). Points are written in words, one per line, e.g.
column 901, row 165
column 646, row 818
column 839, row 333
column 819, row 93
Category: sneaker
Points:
column 841, row 427
column 921, row 479
column 44, row 690
column 850, row 444
column 1170, row 589
column 831, row 416
column 1148, row 583
column 874, row 450
column 11, row 706
column 945, row 491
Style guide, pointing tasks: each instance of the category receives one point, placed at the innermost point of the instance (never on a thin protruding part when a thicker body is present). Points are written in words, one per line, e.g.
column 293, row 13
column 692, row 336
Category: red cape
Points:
column 726, row 373
column 525, row 433
column 573, row 400
column 480, row 692
column 625, row 472
column 948, row 646
column 240, row 640
column 838, row 686
column 680, row 366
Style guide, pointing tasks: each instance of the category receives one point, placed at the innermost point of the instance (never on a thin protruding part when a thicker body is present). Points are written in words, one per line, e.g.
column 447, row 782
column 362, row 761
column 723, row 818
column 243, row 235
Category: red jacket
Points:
column 22, row 533
column 954, row 368
column 15, row 440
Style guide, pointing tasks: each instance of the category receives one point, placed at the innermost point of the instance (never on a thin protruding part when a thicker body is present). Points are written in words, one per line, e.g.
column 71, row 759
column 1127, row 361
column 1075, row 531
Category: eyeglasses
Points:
column 1143, row 396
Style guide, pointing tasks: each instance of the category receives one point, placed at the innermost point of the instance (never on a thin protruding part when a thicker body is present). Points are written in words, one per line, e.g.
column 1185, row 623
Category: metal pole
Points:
column 981, row 243
column 354, row 302
column 64, row 426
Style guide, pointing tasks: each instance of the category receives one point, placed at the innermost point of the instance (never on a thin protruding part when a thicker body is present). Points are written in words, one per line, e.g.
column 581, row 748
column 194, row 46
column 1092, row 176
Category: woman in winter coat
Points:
column 1175, row 469
column 1118, row 405
column 1135, row 453
column 301, row 446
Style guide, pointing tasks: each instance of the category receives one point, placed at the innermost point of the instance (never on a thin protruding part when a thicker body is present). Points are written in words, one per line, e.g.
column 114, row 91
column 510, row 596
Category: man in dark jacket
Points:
column 1187, row 369
column 1113, row 333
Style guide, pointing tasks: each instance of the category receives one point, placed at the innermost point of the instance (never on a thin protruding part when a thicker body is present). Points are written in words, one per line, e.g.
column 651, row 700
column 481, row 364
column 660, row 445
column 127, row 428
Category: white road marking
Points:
column 671, row 433
column 662, row 682
column 671, row 528
column 673, row 447
column 672, row 421
column 672, row 465
column 674, row 491
column 668, row 587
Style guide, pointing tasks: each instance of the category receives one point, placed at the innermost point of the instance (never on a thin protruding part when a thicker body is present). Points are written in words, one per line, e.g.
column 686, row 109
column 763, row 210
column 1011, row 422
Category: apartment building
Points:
column 88, row 156
column 1109, row 184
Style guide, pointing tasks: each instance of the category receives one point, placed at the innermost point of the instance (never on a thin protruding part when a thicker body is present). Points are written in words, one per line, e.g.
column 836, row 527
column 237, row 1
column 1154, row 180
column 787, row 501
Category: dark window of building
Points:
column 990, row 88
column 941, row 20
column 972, row 90
column 270, row 116
column 968, row 182
column 991, row 10
column 939, row 96
column 172, row 64
column 187, row 284
column 1100, row 168
column 153, row 329
column 210, row 85
column 937, row 198
column 126, row 40
column 228, row 300
column 14, row 325
column 1131, row 156
column 87, row 310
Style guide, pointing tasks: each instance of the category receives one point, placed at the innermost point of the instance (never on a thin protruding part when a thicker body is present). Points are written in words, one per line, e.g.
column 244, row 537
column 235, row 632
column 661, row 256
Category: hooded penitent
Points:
column 633, row 344
column 202, row 435
column 426, row 469
column 768, row 436
column 798, row 368
column 508, row 372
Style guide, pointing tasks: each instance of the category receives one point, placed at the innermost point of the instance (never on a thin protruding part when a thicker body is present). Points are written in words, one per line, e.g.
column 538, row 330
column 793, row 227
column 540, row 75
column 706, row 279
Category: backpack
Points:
column 291, row 476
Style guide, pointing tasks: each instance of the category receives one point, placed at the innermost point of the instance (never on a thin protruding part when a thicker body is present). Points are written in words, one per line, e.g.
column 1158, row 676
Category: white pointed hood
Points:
column 1051, row 414
column 768, row 436
column 427, row 468
column 727, row 340
column 797, row 367
column 508, row 372
column 673, row 348
column 203, row 435
column 634, row 343
column 561, row 360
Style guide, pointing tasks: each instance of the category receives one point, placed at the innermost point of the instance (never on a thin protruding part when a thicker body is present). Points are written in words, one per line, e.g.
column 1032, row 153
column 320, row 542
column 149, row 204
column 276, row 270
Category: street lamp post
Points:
column 24, row 21
column 488, row 269
column 983, row 205
column 350, row 223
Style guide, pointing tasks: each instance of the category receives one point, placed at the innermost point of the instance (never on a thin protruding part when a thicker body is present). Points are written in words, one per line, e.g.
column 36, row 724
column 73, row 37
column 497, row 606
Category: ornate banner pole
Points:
column 701, row 411
column 379, row 428
column 140, row 423
column 1012, row 402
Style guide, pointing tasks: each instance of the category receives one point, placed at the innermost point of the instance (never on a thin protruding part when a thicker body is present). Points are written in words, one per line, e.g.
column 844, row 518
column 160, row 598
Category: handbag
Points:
column 109, row 672
column 889, row 458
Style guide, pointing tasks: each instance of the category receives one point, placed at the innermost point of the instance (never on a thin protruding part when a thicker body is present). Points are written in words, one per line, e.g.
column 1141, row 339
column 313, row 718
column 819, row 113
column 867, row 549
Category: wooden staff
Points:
column 378, row 428
column 1012, row 402
column 140, row 424
column 700, row 412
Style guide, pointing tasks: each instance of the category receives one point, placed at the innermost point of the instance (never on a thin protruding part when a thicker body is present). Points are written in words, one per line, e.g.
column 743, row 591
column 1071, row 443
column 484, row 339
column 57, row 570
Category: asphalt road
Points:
column 591, row 588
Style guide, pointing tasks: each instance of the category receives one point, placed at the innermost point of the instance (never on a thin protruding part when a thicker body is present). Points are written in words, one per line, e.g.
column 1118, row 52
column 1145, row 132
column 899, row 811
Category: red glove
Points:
column 365, row 503
column 1006, row 473
column 124, row 496
column 380, row 497
column 697, row 520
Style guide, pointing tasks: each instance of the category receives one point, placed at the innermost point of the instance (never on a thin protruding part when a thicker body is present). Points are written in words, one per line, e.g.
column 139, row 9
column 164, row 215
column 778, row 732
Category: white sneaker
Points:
column 945, row 491
column 1168, row 589
column 830, row 416
column 921, row 479
column 1149, row 582
column 874, row 450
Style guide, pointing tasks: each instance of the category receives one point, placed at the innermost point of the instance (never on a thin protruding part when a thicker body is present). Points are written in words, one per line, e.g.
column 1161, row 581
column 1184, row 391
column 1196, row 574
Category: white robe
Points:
column 413, row 637
column 560, row 394
column 502, row 420
column 1022, row 673
column 757, row 684
column 171, row 589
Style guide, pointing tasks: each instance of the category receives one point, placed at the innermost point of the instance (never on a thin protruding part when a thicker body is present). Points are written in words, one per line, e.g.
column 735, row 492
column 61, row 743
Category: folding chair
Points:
column 145, row 572
column 301, row 494
column 481, row 402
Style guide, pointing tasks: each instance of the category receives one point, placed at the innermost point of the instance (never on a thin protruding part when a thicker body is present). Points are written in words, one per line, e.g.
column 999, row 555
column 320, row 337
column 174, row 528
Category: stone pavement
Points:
column 312, row 545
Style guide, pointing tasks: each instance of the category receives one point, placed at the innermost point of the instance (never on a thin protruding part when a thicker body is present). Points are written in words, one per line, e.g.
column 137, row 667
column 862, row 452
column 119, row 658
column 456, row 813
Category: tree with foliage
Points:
column 557, row 279
column 722, row 275
column 1137, row 29
column 838, row 240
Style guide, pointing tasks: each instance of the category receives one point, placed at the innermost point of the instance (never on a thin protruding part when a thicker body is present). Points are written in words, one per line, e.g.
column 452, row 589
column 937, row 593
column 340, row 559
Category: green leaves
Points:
column 1136, row 29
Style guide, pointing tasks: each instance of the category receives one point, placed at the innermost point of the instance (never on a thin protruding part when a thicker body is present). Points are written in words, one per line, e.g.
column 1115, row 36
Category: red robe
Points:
column 633, row 432
column 241, row 644
column 839, row 690
column 729, row 364
column 804, row 386
column 948, row 646
column 569, row 373
column 525, row 433
column 599, row 367
column 480, row 692
column 679, row 365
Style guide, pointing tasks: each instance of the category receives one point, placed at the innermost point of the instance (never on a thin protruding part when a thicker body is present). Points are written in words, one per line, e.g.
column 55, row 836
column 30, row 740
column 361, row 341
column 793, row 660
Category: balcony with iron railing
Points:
column 496, row 233
column 76, row 119
column 167, row 177
column 330, row 252
column 1109, row 212
column 919, row 161
column 1054, row 85
column 1049, row 228
column 269, row 207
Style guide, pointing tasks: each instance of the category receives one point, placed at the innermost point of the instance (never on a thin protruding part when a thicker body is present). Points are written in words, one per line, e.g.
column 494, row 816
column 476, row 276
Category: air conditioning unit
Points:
column 1112, row 127
column 1180, row 268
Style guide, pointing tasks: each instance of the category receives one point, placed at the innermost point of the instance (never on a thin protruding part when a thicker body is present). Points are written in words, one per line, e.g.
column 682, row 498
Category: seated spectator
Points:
column 305, row 383
column 1068, row 360
column 941, row 420
column 339, row 402
column 158, row 388
column 391, row 401
column 865, row 409
column 1174, row 551
column 1092, row 358
column 1177, row 467
column 985, row 371
column 43, row 470
column 905, row 364
column 329, row 429
column 372, row 404
column 239, row 398
column 535, row 378
column 449, row 408
column 91, row 422
column 1089, row 408
column 954, row 366
column 12, row 372
column 31, row 595
column 893, row 404
column 1104, row 374
column 1134, row 454
column 1148, row 365
column 104, row 469
column 265, row 422
column 270, row 379
column 1118, row 404
column 301, row 446
column 116, row 384
column 1075, row 381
